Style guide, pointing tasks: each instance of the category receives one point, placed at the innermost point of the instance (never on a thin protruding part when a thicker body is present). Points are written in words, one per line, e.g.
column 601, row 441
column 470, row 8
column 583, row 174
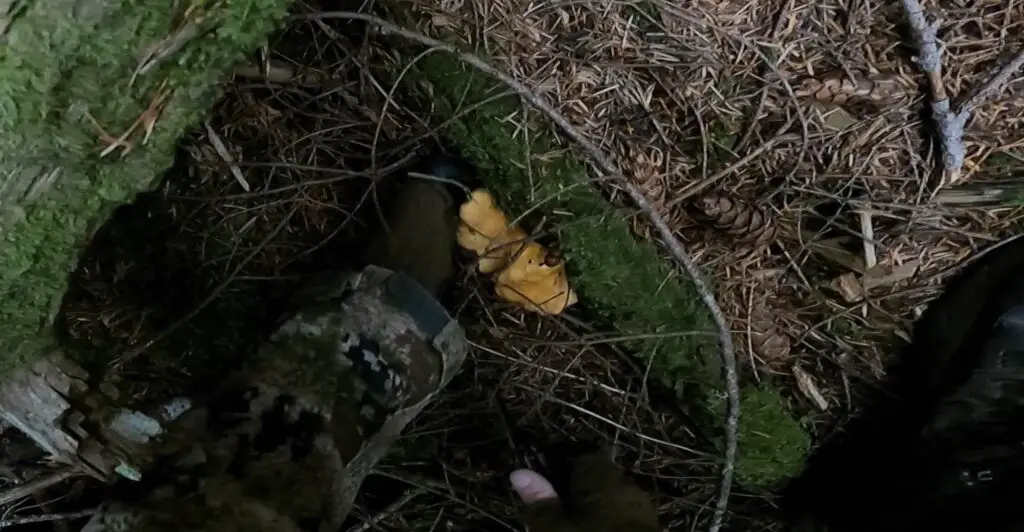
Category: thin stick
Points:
column 607, row 166
column 950, row 125
column 527, row 363
column 440, row 489
column 29, row 519
column 994, row 83
column 616, row 424
column 697, row 188
column 950, row 122
column 28, row 488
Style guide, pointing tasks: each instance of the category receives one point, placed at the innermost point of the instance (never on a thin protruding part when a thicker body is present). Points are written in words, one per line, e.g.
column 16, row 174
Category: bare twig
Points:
column 441, row 489
column 616, row 424
column 950, row 125
column 29, row 519
column 28, row 488
column 609, row 167
column 994, row 84
column 950, row 122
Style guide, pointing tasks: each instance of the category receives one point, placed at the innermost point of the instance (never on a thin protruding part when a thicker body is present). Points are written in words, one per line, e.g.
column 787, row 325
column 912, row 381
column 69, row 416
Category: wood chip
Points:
column 882, row 275
column 805, row 382
column 849, row 287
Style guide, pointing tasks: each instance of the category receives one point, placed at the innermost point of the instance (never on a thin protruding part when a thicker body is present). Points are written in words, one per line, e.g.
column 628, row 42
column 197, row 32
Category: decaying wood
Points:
column 35, row 400
column 37, row 484
column 51, row 403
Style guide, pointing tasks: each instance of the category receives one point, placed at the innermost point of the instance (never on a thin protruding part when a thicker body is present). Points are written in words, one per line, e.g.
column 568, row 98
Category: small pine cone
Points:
column 767, row 341
column 749, row 224
column 838, row 88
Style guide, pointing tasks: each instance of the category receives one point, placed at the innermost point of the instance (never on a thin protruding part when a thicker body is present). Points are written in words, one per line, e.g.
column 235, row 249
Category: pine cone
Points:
column 749, row 224
column 837, row 88
column 767, row 341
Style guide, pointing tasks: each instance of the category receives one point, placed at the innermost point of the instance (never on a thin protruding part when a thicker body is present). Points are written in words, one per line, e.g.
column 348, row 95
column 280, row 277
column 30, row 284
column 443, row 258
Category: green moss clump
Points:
column 616, row 275
column 772, row 445
column 62, row 62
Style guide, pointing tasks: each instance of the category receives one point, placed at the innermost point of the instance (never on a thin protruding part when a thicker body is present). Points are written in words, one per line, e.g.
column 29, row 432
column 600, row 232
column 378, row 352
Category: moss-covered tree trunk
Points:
column 82, row 85
column 94, row 96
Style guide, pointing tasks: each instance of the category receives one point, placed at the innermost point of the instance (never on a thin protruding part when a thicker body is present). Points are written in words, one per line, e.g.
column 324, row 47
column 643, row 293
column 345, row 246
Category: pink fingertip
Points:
column 531, row 486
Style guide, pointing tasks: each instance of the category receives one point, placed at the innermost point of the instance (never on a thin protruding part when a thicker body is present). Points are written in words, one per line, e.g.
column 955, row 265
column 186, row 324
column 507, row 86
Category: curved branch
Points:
column 609, row 167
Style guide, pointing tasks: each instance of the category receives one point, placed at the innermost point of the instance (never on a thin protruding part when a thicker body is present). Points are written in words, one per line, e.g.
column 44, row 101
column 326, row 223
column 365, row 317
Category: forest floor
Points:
column 785, row 143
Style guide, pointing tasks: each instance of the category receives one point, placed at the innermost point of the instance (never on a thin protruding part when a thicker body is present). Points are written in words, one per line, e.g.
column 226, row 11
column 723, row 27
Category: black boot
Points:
column 419, row 237
column 946, row 450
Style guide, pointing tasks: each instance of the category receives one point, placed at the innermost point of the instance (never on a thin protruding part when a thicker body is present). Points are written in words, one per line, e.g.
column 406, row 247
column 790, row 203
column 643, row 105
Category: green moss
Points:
column 63, row 59
column 615, row 274
column 618, row 276
column 772, row 446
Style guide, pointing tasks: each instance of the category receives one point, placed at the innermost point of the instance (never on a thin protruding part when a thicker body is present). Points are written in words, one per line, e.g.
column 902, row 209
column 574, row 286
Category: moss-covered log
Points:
column 94, row 95
column 621, row 279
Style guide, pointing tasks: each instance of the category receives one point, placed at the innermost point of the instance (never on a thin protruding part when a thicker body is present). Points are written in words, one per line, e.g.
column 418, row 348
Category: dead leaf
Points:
column 805, row 382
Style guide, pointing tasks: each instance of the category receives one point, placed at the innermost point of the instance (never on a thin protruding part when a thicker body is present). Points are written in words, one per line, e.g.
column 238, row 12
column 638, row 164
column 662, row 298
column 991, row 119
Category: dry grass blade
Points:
column 222, row 151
